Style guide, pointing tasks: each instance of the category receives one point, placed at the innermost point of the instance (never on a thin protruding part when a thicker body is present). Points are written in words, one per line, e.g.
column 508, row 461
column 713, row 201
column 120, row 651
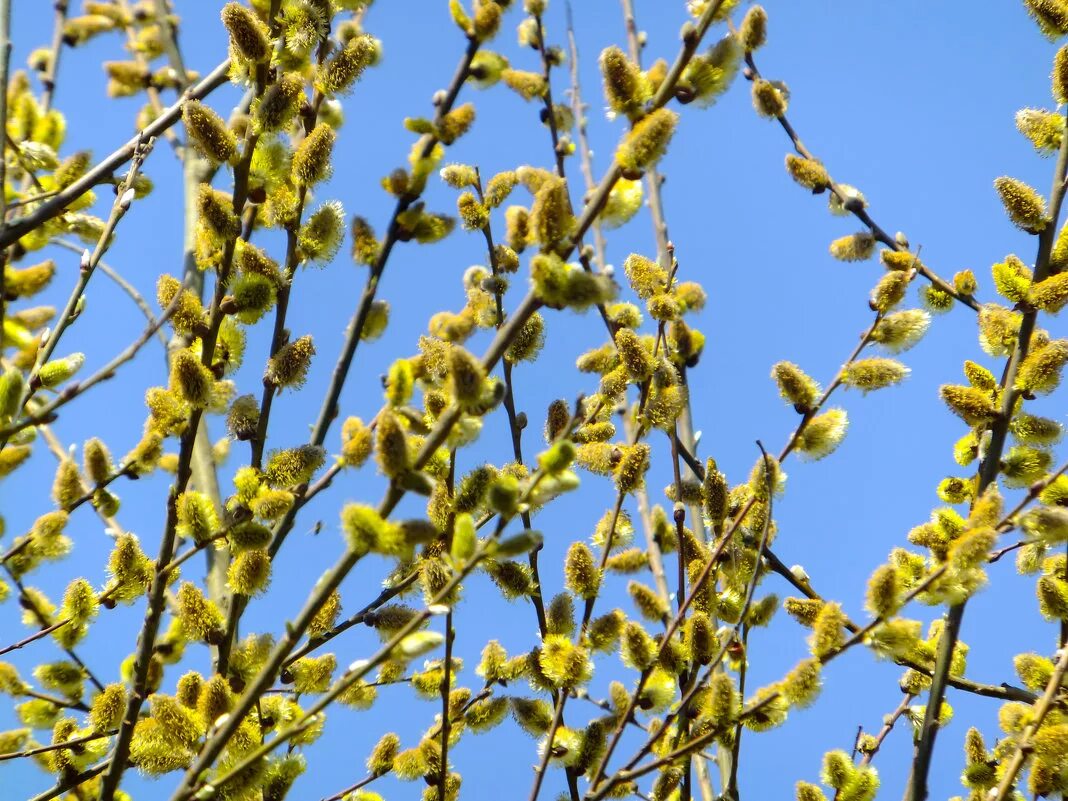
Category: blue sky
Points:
column 912, row 101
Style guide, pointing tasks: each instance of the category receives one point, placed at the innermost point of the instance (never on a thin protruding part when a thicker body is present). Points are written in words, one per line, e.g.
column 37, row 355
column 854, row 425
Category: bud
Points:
column 551, row 220
column 900, row 331
column 753, row 31
column 855, row 247
column 625, row 88
column 1025, row 207
column 320, row 237
column 466, row 376
column 55, row 372
column 1051, row 294
column 871, row 374
column 67, row 488
column 972, row 405
column 581, row 575
column 311, row 162
column 279, row 103
column 200, row 618
column 650, row 605
column 365, row 247
column 457, row 122
column 647, row 141
column 473, row 215
column 768, row 99
column 808, row 173
column 208, row 132
column 498, row 189
column 822, row 435
column 795, row 386
column 630, row 472
column 637, row 648
column 248, row 36
column 289, row 366
column 1012, row 279
column 1051, row 16
column 196, row 517
column 12, row 385
column 339, row 72
column 827, row 630
column 1041, row 370
column 249, row 573
column 190, row 379
column 391, row 445
column 293, row 466
column 528, row 85
column 802, row 684
column 215, row 210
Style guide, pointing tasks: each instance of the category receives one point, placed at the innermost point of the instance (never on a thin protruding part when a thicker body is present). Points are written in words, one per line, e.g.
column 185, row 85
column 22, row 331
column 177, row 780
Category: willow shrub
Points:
column 693, row 563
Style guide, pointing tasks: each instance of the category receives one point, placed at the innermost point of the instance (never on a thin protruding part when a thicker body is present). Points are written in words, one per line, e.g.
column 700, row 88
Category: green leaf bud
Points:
column 55, row 372
column 1025, row 207
column 646, row 142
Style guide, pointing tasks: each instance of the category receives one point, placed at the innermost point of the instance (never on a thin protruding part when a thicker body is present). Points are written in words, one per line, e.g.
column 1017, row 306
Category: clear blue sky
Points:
column 912, row 101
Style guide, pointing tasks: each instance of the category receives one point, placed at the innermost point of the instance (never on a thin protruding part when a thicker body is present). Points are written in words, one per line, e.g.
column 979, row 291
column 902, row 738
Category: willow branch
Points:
column 55, row 206
column 859, row 210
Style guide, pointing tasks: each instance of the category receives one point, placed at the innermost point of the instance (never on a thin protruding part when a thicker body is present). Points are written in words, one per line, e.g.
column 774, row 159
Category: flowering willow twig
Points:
column 20, row 226
column 988, row 472
column 28, row 602
column 877, row 741
column 358, row 669
column 71, row 782
column 1025, row 744
column 157, row 590
column 139, row 58
column 578, row 111
column 333, row 576
column 633, row 771
column 123, row 199
column 44, row 749
column 116, row 277
column 47, row 412
column 858, row 209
